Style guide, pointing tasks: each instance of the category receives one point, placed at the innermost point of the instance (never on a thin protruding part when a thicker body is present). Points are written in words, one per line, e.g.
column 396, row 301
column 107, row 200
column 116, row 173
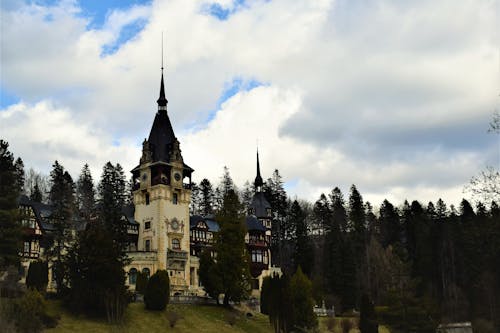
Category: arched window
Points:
column 132, row 276
column 176, row 244
column 146, row 271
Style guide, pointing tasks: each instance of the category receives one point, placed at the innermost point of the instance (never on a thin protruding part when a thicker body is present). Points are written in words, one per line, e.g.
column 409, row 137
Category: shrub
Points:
column 173, row 318
column 157, row 291
column 141, row 283
column 483, row 326
column 38, row 276
column 346, row 325
column 330, row 324
column 29, row 313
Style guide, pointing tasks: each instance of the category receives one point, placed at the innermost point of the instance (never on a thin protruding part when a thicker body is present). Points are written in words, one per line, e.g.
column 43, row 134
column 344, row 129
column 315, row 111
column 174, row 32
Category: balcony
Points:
column 177, row 255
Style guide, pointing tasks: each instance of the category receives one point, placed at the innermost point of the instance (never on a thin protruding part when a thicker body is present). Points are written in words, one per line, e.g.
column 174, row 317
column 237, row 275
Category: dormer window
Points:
column 268, row 211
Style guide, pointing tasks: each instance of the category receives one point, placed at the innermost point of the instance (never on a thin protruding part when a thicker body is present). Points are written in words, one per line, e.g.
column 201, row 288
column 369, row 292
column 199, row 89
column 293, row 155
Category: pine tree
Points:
column 96, row 274
column 207, row 198
column 62, row 198
column 20, row 176
column 10, row 232
column 389, row 224
column 338, row 209
column 247, row 195
column 36, row 194
column 157, row 292
column 194, row 205
column 85, row 194
column 209, row 275
column 367, row 317
column 302, row 302
column 232, row 257
column 304, row 252
column 112, row 194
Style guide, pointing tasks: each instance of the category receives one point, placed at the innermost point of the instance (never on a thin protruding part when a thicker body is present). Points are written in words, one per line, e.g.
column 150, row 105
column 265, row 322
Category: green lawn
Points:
column 203, row 319
column 196, row 318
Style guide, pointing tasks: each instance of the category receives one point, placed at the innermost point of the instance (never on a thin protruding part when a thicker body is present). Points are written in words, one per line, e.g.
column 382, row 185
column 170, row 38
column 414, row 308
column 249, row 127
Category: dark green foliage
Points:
column 112, row 195
column 10, row 232
column 390, row 224
column 29, row 313
column 141, row 282
column 209, row 276
column 367, row 317
column 265, row 295
column 62, row 198
column 302, row 302
column 20, row 176
column 206, row 198
column 232, row 256
column 157, row 291
column 38, row 276
column 276, row 299
column 36, row 194
column 303, row 254
column 85, row 194
column 96, row 274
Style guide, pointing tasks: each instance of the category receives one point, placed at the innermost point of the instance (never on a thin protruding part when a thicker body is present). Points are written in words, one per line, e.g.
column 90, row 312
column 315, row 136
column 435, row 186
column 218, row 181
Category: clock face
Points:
column 175, row 225
column 177, row 176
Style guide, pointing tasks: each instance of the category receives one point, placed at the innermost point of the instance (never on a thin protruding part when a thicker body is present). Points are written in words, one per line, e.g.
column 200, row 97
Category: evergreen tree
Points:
column 36, row 194
column 194, row 205
column 247, row 195
column 206, row 198
column 232, row 257
column 302, row 302
column 85, row 194
column 338, row 209
column 157, row 292
column 62, row 198
column 389, row 224
column 10, row 232
column 367, row 317
column 209, row 275
column 38, row 275
column 20, row 176
column 304, row 252
column 349, row 290
column 96, row 274
column 112, row 196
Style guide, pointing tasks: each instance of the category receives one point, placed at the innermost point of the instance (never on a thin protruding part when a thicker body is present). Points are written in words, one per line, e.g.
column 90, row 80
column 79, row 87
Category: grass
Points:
column 195, row 318
column 203, row 319
column 337, row 329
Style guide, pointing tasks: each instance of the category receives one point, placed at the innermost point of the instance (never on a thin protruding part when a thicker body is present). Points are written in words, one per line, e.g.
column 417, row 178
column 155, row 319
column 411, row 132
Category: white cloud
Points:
column 388, row 95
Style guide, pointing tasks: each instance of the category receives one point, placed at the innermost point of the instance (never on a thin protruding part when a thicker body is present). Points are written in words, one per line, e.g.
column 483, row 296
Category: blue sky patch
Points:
column 7, row 99
column 223, row 13
column 127, row 33
column 97, row 10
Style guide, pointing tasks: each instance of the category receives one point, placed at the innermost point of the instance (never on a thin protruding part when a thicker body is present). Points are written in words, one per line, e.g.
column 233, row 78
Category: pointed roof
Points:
column 162, row 101
column 161, row 137
column 258, row 180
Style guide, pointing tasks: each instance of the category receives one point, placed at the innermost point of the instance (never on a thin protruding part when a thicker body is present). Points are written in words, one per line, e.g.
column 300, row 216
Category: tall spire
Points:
column 258, row 180
column 162, row 101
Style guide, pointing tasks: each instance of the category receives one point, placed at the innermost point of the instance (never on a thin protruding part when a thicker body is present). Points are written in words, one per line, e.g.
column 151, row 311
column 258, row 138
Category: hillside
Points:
column 203, row 319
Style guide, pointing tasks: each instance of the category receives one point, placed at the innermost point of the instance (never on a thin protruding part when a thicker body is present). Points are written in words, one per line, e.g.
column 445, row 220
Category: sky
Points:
column 392, row 96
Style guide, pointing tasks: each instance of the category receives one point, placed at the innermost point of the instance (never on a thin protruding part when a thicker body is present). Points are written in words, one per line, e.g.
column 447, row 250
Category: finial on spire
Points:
column 258, row 180
column 162, row 101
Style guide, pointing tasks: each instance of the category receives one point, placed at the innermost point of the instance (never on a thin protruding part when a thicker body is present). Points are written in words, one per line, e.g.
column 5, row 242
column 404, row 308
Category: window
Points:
column 132, row 276
column 268, row 210
column 146, row 271
column 255, row 284
column 147, row 225
column 147, row 245
column 147, row 198
column 176, row 245
column 250, row 211
column 26, row 247
column 174, row 199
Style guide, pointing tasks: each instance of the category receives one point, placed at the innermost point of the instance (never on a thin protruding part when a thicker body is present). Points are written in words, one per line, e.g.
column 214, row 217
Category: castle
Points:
column 161, row 232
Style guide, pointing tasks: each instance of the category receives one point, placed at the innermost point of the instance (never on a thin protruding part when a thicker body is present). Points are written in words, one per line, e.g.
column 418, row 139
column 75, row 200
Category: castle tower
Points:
column 162, row 193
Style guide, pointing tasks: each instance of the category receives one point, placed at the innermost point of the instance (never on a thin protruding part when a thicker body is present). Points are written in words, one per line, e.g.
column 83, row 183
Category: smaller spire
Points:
column 162, row 101
column 258, row 180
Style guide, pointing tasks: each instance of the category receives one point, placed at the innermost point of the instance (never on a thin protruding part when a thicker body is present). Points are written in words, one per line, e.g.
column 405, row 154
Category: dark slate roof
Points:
column 254, row 224
column 41, row 210
column 212, row 225
column 128, row 211
column 258, row 179
column 161, row 137
column 260, row 205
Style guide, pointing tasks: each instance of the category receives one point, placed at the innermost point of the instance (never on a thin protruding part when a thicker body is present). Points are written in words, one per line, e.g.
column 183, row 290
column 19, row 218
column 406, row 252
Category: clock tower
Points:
column 162, row 193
